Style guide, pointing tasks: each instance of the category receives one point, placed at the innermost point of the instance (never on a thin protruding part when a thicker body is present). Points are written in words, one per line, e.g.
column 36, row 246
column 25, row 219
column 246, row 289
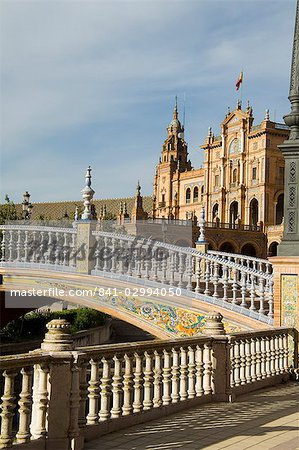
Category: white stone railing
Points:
column 232, row 279
column 31, row 246
column 263, row 265
column 63, row 395
column 218, row 276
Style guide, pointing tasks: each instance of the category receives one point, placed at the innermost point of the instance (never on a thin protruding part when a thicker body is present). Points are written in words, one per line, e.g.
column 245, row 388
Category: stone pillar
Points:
column 220, row 356
column 290, row 149
column 85, row 245
column 62, row 388
column 201, row 244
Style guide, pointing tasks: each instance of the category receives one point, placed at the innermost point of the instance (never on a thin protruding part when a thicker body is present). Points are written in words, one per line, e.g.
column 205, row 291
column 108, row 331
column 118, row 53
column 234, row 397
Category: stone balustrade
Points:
column 61, row 395
column 242, row 281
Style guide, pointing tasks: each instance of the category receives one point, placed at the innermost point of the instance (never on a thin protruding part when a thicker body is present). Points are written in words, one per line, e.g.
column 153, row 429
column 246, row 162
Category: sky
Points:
column 93, row 83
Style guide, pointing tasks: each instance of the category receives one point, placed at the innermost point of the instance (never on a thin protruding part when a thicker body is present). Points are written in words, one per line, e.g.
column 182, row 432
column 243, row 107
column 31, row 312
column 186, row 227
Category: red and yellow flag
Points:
column 239, row 82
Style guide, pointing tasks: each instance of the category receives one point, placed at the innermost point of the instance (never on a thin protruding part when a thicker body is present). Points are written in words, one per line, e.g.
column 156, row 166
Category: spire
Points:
column 292, row 119
column 175, row 110
column 138, row 189
column 209, row 132
column 87, row 194
column 267, row 116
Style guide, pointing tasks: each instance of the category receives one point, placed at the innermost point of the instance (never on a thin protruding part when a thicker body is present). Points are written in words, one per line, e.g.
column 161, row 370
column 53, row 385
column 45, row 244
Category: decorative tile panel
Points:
column 289, row 300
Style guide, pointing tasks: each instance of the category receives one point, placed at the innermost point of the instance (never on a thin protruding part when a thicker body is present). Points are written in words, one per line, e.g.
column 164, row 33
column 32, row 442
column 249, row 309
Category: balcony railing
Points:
column 62, row 395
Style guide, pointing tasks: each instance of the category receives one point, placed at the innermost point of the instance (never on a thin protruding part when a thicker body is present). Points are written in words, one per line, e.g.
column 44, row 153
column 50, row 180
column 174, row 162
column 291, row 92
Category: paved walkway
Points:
column 266, row 419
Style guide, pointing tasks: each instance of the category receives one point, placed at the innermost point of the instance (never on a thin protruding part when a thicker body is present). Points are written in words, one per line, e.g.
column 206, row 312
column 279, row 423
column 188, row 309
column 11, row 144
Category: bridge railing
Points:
column 225, row 277
column 62, row 395
column 231, row 279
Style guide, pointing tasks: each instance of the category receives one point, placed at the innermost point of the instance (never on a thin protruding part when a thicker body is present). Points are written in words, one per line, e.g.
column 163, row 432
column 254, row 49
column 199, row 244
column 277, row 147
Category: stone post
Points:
column 201, row 244
column 220, row 356
column 85, row 245
column 62, row 389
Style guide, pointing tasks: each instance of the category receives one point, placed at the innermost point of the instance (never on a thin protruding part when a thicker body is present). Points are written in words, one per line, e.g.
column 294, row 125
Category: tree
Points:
column 8, row 211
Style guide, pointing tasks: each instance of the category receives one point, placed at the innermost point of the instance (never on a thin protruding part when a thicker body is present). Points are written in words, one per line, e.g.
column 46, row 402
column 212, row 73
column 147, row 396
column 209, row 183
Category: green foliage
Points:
column 33, row 324
column 8, row 211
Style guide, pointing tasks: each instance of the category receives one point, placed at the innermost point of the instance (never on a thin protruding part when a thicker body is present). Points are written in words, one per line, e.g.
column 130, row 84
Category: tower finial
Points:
column 138, row 189
column 267, row 115
column 87, row 194
column 292, row 119
column 209, row 132
column 175, row 110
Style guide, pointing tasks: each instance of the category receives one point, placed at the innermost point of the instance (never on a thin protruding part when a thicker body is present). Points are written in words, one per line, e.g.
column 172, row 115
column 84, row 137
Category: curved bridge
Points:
column 162, row 288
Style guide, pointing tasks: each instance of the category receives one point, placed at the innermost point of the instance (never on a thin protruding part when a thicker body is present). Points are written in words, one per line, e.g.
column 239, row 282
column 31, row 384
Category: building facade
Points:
column 240, row 185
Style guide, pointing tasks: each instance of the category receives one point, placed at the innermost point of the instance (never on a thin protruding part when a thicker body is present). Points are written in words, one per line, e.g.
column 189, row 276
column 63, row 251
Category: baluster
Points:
column 129, row 259
column 40, row 401
column 285, row 351
column 105, row 254
column 262, row 295
column 183, row 374
column 58, row 248
column 272, row 355
column 281, row 354
column 49, row 250
column 242, row 362
column 148, row 380
column 74, row 402
column 235, row 286
column 225, row 282
column 199, row 371
column 166, row 378
column 171, row 269
column 248, row 361
column 10, row 246
column 197, row 274
column 207, row 277
column 253, row 359
column 191, row 372
column 252, row 293
column 258, row 358
column 73, row 251
column 146, row 262
column 137, row 404
column 25, row 403
column 181, row 269
column 116, row 388
column 237, row 359
column 128, row 386
column 83, row 384
column 189, row 272
column 113, row 257
column 232, row 366
column 19, row 247
column 93, row 396
column 268, row 356
column 7, row 409
column 65, row 250
column 243, row 289
column 97, row 253
column 263, row 357
column 277, row 354
column 175, row 376
column 207, row 377
column 215, row 279
column 3, row 246
column 105, row 390
column 157, row 400
column 270, row 298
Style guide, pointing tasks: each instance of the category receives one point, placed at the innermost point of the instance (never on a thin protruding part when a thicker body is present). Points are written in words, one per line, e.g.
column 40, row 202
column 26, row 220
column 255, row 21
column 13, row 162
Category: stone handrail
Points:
column 93, row 386
column 235, row 279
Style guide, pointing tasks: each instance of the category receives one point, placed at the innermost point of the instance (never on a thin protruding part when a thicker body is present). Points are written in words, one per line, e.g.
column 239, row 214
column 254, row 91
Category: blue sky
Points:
column 93, row 82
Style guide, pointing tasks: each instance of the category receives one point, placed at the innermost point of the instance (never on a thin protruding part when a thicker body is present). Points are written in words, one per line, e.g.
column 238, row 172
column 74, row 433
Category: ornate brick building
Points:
column 240, row 185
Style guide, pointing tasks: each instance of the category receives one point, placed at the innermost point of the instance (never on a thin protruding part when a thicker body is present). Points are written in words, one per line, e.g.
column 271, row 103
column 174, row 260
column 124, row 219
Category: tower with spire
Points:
column 173, row 161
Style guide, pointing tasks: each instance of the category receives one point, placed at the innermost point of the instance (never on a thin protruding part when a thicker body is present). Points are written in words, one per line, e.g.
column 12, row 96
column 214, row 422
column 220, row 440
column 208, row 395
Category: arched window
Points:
column 235, row 175
column 188, row 195
column 254, row 212
column 215, row 211
column 279, row 209
column 233, row 214
column 195, row 194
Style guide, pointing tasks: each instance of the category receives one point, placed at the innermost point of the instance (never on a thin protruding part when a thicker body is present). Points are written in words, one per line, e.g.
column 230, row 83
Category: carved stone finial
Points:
column 76, row 213
column 267, row 115
column 87, row 194
column 209, row 132
column 201, row 224
column 213, row 325
column 58, row 337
